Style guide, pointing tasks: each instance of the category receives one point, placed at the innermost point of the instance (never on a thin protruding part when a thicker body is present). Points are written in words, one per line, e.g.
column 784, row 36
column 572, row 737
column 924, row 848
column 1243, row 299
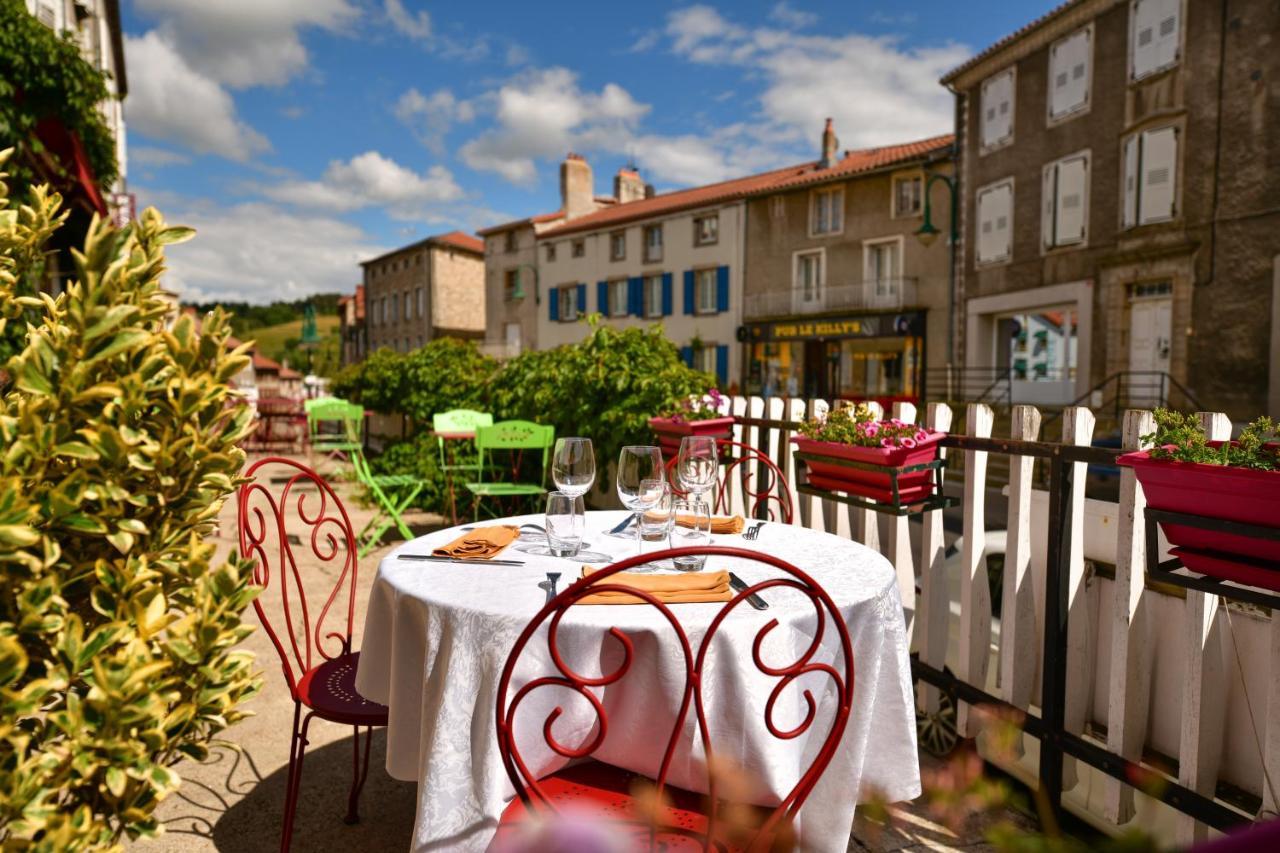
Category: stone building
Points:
column 351, row 327
column 841, row 299
column 1120, row 234
column 425, row 290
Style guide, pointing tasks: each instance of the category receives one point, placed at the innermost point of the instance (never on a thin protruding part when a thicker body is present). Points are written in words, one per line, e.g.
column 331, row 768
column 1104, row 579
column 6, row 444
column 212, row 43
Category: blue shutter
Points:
column 666, row 294
column 722, row 363
column 635, row 296
column 553, row 304
column 722, row 288
column 686, row 355
column 688, row 292
column 582, row 299
column 602, row 297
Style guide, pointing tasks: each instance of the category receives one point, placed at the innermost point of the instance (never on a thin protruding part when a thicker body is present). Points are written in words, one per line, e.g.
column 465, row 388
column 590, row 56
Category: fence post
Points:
column 1130, row 628
column 975, row 596
column 1018, row 604
column 898, row 547
column 864, row 524
column 787, row 459
column 933, row 616
column 1077, row 428
column 1204, row 689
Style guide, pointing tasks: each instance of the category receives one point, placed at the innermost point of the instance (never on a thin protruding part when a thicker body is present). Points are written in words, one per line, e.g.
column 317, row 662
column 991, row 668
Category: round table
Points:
column 437, row 636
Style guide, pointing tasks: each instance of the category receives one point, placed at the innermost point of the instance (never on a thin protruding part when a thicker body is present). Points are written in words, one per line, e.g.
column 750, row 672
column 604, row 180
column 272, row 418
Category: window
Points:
column 408, row 305
column 778, row 207
column 1065, row 211
column 706, row 230
column 1154, row 36
column 808, row 277
column 421, row 312
column 618, row 298
column 704, row 359
column 618, row 245
column 653, row 296
column 46, row 15
column 704, row 291
column 512, row 241
column 395, row 308
column 995, row 225
column 568, row 299
column 652, row 243
column 551, row 252
column 997, row 110
column 908, row 195
column 1150, row 176
column 579, row 248
column 826, row 216
column 510, row 284
column 883, row 266
column 1069, row 76
column 382, row 310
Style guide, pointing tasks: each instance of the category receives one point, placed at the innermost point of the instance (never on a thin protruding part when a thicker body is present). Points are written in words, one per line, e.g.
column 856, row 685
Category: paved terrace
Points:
column 234, row 800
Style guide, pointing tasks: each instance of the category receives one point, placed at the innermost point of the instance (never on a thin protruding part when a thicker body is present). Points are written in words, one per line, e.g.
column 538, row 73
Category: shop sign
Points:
column 871, row 326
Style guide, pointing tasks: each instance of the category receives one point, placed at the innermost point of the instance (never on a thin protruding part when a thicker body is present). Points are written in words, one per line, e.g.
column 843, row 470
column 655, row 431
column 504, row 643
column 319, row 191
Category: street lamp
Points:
column 927, row 233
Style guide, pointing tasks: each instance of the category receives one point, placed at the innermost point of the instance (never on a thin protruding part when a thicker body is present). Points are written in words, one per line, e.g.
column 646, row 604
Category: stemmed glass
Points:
column 573, row 467
column 641, row 482
column 698, row 466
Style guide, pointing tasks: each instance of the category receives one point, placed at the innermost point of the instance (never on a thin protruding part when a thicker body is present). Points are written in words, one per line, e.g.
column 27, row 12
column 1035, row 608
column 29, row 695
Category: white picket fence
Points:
column 1149, row 670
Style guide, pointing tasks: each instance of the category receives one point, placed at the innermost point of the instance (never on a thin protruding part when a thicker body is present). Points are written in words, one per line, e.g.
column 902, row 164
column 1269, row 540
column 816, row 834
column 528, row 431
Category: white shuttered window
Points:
column 1155, row 36
column 997, row 109
column 1069, row 74
column 1150, row 176
column 995, row 222
column 1065, row 211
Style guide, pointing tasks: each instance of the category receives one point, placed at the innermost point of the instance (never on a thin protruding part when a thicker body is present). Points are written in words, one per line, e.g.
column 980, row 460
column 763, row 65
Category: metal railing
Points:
column 878, row 294
column 1130, row 389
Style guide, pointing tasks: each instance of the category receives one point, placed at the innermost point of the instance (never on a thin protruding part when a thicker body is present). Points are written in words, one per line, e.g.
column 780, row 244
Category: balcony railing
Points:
column 879, row 294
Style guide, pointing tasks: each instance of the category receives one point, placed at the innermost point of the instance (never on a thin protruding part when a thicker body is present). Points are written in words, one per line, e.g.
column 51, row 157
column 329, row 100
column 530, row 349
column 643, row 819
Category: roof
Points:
column 358, row 298
column 1008, row 40
column 453, row 239
column 289, row 373
column 515, row 223
column 261, row 362
column 804, row 174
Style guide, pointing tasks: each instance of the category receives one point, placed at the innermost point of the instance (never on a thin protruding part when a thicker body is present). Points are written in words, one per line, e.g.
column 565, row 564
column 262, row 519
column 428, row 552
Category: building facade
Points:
column 351, row 327
column 841, row 299
column 1119, row 178
column 426, row 290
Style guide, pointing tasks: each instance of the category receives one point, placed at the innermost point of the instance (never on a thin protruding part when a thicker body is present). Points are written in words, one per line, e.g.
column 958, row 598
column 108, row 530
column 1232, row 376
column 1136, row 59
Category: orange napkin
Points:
column 669, row 589
column 719, row 523
column 483, row 543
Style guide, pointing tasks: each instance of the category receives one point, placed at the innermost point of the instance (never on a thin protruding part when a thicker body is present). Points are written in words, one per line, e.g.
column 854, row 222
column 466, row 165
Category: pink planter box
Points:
column 876, row 485
column 669, row 432
column 1214, row 491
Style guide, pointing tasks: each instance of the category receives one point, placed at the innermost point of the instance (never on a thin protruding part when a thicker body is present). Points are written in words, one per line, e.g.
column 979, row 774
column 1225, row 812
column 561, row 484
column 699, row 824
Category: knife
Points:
column 753, row 599
column 434, row 559
column 626, row 522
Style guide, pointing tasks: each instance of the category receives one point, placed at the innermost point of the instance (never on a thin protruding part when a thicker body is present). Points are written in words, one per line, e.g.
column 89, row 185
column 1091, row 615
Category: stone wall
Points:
column 457, row 293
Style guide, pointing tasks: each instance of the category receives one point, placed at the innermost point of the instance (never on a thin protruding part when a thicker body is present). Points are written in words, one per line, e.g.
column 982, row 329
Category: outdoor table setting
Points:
column 446, row 609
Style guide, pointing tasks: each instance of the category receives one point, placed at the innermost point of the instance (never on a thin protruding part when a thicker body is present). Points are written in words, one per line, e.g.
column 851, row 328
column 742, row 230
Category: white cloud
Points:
column 544, row 113
column 170, row 101
column 432, row 116
column 415, row 26
column 258, row 252
column 371, row 180
column 789, row 16
column 147, row 155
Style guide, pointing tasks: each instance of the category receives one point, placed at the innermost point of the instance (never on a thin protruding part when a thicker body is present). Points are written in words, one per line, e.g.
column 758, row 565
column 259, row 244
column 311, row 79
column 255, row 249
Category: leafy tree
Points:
column 445, row 374
column 117, row 631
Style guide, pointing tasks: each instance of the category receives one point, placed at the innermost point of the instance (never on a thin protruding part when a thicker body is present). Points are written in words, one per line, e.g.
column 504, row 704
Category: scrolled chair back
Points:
column 306, row 507
column 757, row 480
column 653, row 832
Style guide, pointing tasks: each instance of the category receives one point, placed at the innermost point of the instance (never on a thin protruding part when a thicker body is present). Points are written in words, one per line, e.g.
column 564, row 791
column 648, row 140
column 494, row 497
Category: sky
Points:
column 302, row 136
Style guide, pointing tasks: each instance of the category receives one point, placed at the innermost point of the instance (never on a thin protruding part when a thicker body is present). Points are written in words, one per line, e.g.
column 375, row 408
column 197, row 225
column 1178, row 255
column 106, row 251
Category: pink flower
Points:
column 871, row 430
column 921, row 435
column 886, row 442
column 1169, row 448
column 896, row 422
column 907, row 443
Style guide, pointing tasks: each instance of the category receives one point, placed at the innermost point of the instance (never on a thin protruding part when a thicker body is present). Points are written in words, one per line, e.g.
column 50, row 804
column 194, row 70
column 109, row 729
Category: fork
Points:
column 753, row 533
column 552, row 579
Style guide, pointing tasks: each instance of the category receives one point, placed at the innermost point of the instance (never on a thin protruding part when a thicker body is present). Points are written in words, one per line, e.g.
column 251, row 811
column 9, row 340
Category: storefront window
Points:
column 879, row 368
column 1042, row 346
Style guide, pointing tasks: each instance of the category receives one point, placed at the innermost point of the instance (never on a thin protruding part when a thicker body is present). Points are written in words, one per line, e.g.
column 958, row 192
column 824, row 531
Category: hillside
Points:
column 280, row 342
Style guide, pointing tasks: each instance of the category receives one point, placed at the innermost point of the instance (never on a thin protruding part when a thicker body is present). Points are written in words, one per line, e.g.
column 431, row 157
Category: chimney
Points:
column 829, row 147
column 627, row 185
column 649, row 191
column 576, row 189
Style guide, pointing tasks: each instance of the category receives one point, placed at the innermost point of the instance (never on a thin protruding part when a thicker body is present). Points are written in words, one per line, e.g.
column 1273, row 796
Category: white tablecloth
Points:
column 437, row 636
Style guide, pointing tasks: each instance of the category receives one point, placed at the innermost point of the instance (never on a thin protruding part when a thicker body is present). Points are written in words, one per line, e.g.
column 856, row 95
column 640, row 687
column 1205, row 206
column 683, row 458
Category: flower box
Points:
column 913, row 486
column 1246, row 495
column 670, row 430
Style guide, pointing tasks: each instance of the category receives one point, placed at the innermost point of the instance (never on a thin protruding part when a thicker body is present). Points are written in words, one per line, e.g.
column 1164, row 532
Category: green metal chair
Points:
column 334, row 427
column 457, row 425
column 513, row 438
column 404, row 487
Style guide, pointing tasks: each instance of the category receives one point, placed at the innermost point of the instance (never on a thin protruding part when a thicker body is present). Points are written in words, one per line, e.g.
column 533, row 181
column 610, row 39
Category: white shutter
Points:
column 1130, row 213
column 1159, row 171
column 994, row 226
column 986, row 226
column 1004, row 220
column 1168, row 25
column 997, row 109
column 1049, row 204
column 1073, row 195
column 1142, row 36
column 1069, row 74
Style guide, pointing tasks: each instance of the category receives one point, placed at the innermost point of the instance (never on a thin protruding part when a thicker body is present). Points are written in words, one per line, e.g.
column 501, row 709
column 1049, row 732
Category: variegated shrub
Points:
column 117, row 448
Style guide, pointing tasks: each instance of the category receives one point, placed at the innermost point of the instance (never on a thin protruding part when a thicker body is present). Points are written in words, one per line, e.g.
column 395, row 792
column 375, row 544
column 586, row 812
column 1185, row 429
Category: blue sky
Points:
column 300, row 136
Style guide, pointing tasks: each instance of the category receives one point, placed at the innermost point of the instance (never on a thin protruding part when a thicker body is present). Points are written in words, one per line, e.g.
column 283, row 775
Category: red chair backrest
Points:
column 527, row 786
column 743, row 467
column 321, row 524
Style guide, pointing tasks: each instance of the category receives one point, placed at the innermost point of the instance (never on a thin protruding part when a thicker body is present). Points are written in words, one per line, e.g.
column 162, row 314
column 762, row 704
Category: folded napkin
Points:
column 483, row 543
column 719, row 523
column 669, row 589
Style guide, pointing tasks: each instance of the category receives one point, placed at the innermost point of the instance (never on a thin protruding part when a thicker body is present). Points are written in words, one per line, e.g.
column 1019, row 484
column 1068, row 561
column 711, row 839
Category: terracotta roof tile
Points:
column 1007, row 40
column 866, row 160
column 528, row 220
column 460, row 240
column 261, row 362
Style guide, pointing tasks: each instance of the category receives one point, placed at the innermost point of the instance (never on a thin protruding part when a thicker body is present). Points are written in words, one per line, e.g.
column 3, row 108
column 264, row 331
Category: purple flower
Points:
column 886, row 442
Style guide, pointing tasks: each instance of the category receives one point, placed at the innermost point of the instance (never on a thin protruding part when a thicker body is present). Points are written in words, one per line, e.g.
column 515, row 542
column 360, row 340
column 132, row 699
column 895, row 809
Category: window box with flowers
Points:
column 703, row 415
column 1228, row 481
column 850, row 451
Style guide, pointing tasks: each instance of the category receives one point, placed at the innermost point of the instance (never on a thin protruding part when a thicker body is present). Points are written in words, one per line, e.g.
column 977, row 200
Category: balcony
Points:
column 879, row 295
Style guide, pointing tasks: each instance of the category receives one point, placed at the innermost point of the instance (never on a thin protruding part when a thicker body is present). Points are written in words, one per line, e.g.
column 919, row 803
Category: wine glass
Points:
column 640, row 480
column 573, row 468
column 698, row 464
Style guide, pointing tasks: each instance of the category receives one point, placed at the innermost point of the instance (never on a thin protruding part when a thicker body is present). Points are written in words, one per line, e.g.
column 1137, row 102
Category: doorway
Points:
column 1150, row 343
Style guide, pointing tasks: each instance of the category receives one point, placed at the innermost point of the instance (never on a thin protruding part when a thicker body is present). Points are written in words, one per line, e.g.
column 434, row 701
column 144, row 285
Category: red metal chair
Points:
column 760, row 481
column 320, row 679
column 607, row 793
